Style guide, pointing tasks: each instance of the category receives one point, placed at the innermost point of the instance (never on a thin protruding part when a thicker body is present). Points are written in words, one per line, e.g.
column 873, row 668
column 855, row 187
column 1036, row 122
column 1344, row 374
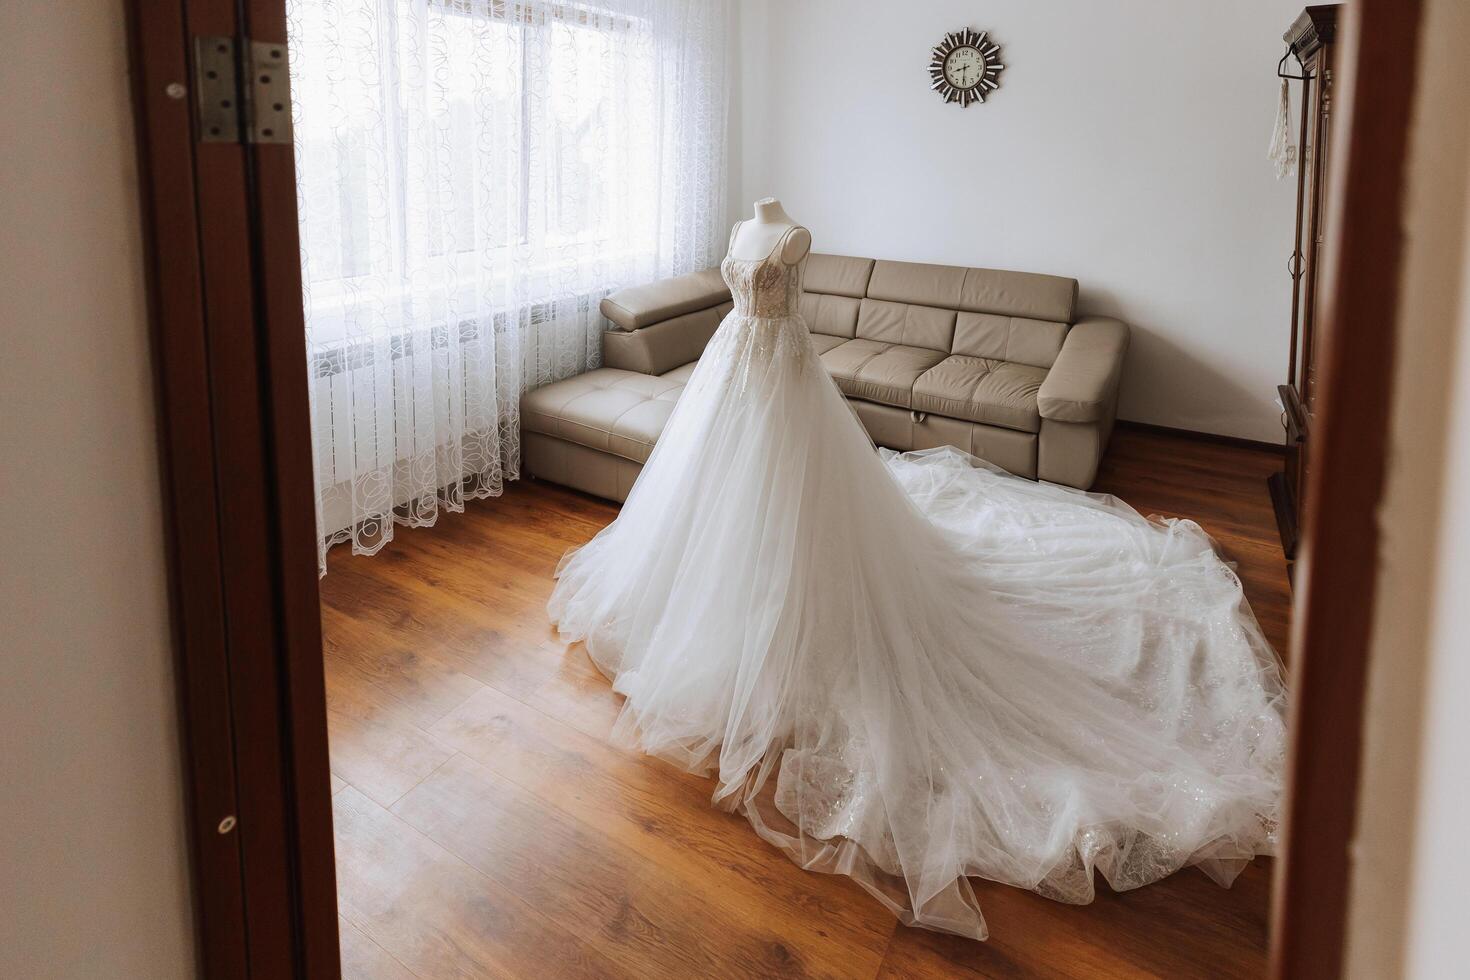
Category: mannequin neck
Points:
column 768, row 211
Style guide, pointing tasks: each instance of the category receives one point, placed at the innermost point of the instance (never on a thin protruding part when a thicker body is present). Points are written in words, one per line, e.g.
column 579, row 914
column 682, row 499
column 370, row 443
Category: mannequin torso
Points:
column 754, row 239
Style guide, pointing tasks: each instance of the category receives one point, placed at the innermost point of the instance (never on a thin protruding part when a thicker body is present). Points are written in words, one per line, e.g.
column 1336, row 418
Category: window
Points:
column 474, row 140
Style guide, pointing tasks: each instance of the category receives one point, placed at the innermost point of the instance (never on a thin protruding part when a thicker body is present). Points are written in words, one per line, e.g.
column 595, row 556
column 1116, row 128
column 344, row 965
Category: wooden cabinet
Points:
column 1311, row 39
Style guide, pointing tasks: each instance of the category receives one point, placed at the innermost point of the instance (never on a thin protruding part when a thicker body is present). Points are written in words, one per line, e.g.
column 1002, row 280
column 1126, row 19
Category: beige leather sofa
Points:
column 996, row 363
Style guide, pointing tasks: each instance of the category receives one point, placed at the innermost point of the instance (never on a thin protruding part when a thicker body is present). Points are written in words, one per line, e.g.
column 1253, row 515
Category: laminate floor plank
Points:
column 437, row 915
column 427, row 686
column 665, row 814
column 374, row 743
column 642, row 913
column 363, row 959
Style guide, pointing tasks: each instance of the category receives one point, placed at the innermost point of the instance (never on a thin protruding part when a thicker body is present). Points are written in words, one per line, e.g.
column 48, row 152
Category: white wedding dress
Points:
column 914, row 668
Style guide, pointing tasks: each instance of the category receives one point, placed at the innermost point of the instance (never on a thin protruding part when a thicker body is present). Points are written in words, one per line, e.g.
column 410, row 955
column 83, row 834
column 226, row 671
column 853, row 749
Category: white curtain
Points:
column 474, row 176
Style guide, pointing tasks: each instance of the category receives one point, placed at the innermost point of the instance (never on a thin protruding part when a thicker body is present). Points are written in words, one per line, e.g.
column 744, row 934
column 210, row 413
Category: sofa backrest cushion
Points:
column 1009, row 338
column 1022, row 294
column 830, row 314
column 837, row 275
column 906, row 323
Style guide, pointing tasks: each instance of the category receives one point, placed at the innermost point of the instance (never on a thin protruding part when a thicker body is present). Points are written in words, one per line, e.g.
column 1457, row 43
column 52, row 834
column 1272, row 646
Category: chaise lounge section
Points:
column 995, row 363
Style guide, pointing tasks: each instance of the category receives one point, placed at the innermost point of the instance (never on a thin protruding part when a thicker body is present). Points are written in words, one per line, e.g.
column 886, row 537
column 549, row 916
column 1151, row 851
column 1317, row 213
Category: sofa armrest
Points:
column 640, row 306
column 1083, row 383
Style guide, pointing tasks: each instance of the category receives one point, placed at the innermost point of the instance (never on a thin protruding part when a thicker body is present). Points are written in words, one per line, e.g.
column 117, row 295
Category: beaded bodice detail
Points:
column 768, row 287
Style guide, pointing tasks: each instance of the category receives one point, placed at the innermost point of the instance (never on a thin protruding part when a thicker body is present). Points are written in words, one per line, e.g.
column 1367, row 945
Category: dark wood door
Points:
column 226, row 305
column 1347, row 396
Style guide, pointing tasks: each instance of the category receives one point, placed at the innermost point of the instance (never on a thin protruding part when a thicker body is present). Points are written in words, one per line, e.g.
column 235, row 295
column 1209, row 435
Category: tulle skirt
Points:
column 911, row 669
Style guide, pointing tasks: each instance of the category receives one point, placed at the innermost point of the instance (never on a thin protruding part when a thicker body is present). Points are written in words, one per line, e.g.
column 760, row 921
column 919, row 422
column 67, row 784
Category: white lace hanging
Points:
column 473, row 177
column 1282, row 151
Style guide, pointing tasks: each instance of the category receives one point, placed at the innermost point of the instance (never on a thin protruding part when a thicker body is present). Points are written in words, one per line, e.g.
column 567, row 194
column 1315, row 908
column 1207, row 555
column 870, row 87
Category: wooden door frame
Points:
column 229, row 350
column 224, row 293
column 1338, row 567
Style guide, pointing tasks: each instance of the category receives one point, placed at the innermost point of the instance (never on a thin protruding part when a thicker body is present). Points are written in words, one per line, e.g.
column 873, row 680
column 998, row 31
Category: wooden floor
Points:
column 485, row 827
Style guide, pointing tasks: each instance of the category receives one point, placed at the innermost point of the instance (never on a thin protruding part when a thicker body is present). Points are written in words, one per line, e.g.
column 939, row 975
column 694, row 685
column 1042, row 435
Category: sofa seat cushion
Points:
column 618, row 412
column 879, row 372
column 681, row 373
column 824, row 342
column 979, row 389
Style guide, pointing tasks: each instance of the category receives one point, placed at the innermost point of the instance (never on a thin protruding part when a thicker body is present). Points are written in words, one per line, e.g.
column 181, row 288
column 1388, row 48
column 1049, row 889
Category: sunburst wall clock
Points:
column 966, row 67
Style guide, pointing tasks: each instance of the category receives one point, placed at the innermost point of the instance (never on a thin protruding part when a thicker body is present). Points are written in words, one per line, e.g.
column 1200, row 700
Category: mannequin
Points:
column 754, row 239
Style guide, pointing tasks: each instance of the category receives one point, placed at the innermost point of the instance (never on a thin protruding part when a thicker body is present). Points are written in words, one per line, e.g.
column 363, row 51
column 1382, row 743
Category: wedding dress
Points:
column 914, row 668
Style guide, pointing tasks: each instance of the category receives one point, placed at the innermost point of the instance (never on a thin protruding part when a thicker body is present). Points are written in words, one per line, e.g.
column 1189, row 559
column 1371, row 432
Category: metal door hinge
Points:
column 242, row 91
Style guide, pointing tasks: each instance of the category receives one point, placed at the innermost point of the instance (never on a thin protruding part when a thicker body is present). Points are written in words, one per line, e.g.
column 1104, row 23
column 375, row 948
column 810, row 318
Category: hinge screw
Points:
column 175, row 90
column 226, row 825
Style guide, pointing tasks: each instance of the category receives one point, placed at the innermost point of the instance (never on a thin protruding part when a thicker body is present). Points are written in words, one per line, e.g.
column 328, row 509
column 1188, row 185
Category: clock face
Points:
column 964, row 67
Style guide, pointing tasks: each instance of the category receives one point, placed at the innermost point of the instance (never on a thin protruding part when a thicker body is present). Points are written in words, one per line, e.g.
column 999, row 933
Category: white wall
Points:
column 93, row 877
column 1125, row 148
column 1408, row 908
column 1438, row 906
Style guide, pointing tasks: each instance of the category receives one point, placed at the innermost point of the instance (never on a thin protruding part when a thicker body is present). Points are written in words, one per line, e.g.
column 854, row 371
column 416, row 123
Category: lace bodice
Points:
column 768, row 287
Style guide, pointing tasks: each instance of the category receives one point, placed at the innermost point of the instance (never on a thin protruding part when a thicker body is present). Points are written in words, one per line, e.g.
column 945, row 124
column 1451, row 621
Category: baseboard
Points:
column 1167, row 430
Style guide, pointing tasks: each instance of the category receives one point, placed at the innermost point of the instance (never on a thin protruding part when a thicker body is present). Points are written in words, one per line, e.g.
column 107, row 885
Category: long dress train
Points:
column 913, row 668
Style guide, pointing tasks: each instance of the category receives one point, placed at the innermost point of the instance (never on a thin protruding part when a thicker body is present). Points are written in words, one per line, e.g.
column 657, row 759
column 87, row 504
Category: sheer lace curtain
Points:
column 474, row 176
